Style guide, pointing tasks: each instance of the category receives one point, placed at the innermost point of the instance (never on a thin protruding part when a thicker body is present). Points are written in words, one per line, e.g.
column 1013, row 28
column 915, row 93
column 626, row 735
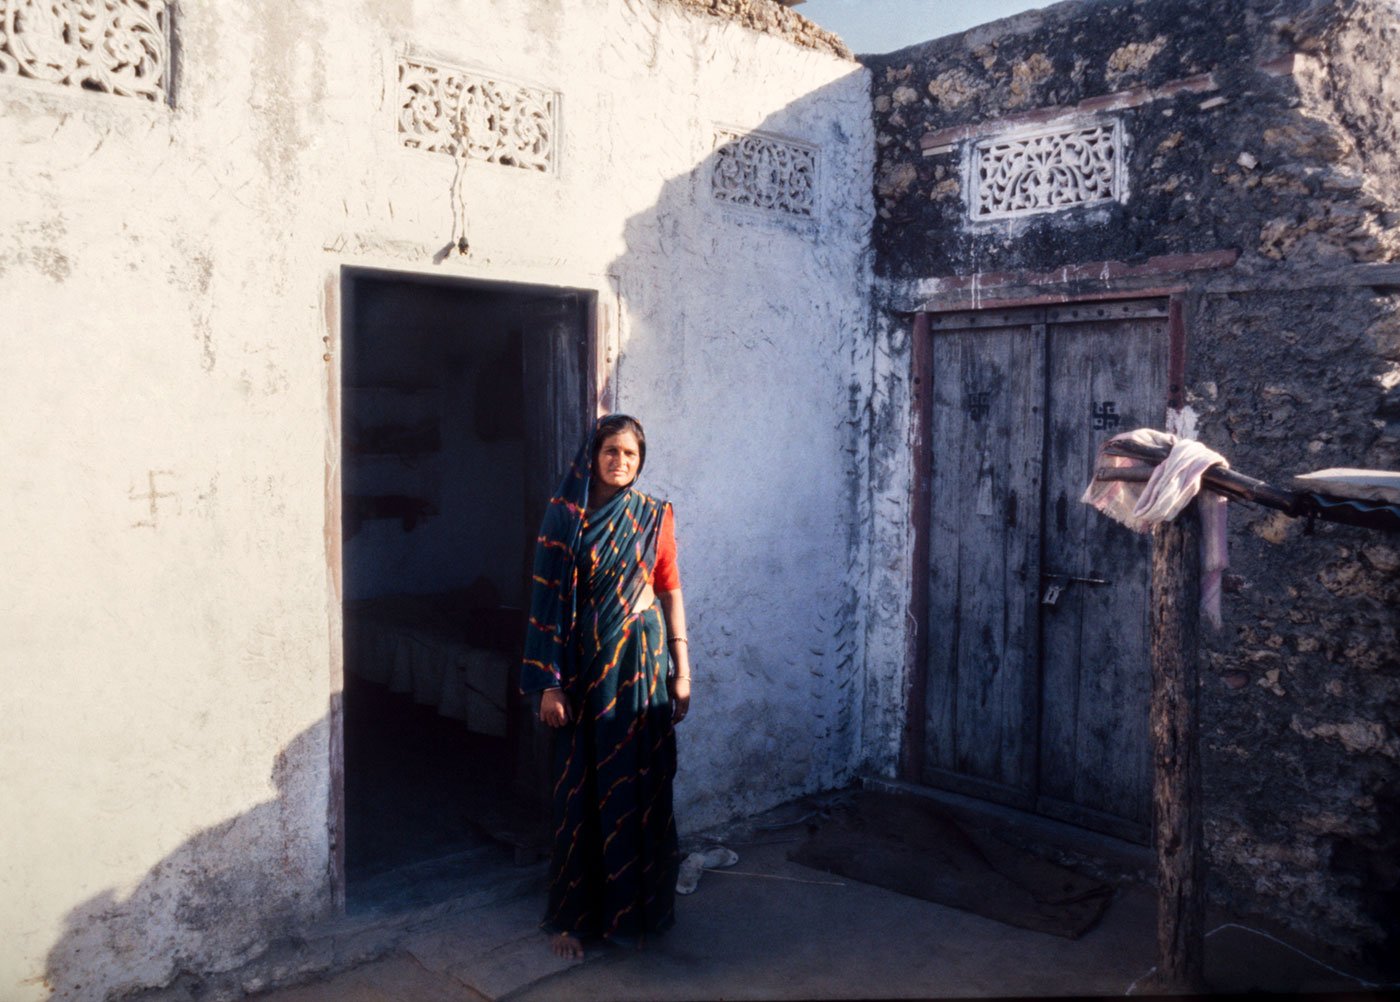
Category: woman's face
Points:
column 618, row 458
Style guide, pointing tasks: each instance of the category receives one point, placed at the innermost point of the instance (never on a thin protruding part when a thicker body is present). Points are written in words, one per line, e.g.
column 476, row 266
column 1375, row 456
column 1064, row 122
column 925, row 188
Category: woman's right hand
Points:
column 554, row 708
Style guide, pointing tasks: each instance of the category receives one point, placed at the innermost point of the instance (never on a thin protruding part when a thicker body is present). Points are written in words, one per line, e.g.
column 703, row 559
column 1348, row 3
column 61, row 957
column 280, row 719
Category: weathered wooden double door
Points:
column 1037, row 680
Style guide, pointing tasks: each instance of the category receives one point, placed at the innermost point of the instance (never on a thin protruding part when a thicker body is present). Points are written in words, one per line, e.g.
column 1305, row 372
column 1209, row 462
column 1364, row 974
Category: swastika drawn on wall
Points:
column 113, row 46
column 150, row 497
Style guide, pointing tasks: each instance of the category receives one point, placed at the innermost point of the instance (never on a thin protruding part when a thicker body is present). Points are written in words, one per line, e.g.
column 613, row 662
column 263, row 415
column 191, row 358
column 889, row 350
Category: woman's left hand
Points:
column 680, row 698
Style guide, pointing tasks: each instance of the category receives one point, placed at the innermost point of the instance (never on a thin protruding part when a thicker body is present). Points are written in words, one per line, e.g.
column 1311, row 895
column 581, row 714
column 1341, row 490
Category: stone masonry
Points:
column 772, row 18
column 1255, row 166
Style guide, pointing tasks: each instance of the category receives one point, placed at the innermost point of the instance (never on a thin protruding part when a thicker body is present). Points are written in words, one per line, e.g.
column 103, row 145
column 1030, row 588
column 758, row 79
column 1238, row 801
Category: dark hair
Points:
column 614, row 424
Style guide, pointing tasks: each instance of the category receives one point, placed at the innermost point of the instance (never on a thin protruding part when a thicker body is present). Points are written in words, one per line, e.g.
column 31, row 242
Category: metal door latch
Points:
column 1056, row 584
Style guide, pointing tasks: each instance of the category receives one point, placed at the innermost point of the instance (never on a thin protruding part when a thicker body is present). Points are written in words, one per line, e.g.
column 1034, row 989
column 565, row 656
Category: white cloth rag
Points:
column 1173, row 484
column 716, row 857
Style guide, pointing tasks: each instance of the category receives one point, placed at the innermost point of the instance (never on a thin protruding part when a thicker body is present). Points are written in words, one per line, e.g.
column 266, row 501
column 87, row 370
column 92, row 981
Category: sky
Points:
column 886, row 25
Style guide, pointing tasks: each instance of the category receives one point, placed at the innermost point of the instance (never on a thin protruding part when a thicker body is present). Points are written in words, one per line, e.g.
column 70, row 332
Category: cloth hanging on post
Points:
column 1174, row 483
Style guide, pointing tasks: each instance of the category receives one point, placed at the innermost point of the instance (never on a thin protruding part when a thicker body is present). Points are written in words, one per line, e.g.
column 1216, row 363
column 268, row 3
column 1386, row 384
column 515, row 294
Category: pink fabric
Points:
column 1174, row 483
column 1215, row 555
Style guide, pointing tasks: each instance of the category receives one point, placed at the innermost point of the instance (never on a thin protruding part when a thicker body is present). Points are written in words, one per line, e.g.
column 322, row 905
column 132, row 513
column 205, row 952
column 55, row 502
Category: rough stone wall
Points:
column 1206, row 164
column 1301, row 690
column 1266, row 131
column 773, row 18
column 1353, row 86
column 169, row 283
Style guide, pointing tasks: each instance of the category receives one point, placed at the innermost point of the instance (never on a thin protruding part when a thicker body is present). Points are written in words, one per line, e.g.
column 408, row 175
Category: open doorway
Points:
column 461, row 403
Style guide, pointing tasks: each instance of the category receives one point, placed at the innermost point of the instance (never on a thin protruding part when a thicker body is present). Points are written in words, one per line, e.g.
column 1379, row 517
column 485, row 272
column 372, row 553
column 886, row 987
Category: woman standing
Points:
column 606, row 649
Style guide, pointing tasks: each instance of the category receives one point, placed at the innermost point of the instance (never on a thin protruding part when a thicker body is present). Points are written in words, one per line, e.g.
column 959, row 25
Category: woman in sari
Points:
column 606, row 650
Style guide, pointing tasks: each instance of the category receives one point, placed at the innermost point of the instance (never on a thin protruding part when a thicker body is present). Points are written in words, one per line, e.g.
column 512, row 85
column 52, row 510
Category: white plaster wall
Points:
column 167, row 280
column 742, row 335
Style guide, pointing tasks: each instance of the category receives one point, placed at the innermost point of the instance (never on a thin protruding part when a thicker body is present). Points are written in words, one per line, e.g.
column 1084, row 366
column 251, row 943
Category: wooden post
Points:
column 911, row 756
column 1176, row 585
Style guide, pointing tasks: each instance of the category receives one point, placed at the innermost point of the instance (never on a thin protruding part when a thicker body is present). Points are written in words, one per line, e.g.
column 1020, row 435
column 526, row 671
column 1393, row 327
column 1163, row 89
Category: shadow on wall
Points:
column 746, row 290
column 745, row 353
column 220, row 900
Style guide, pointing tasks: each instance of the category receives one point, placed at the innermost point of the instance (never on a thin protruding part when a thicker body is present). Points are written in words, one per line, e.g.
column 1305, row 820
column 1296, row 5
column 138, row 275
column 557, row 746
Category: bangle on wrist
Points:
column 679, row 640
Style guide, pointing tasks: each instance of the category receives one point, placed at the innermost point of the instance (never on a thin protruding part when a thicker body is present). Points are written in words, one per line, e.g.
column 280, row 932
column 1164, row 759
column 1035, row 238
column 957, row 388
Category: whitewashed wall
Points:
column 168, row 280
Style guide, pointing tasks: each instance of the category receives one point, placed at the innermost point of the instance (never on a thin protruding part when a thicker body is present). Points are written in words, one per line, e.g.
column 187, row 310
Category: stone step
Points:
column 467, row 874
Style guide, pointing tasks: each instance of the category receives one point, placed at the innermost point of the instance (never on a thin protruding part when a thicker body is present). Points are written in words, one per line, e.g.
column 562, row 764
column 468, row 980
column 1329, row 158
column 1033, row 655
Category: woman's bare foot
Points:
column 566, row 946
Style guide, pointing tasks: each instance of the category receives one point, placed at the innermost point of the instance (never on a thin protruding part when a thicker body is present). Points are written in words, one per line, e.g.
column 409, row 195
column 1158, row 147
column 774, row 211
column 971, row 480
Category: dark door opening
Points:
column 461, row 402
column 1036, row 675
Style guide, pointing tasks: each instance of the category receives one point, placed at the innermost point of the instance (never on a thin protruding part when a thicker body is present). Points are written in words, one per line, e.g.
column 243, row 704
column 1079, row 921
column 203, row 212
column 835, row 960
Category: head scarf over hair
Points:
column 621, row 545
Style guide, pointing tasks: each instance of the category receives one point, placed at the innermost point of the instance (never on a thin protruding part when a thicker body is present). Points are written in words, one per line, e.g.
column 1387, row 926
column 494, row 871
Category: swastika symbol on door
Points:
column 1105, row 415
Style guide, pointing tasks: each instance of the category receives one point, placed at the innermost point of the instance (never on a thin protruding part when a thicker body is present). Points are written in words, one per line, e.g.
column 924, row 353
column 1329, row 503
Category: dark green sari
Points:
column 614, row 858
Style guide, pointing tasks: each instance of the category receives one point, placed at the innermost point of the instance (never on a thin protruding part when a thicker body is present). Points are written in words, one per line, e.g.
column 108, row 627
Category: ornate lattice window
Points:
column 443, row 109
column 758, row 171
column 113, row 46
column 1024, row 173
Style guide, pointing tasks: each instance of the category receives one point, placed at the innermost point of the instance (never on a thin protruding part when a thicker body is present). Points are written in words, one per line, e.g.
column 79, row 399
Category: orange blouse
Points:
column 667, row 575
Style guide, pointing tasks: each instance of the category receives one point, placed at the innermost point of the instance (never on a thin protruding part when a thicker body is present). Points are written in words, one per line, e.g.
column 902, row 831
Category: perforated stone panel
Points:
column 758, row 171
column 1024, row 173
column 114, row 46
column 444, row 109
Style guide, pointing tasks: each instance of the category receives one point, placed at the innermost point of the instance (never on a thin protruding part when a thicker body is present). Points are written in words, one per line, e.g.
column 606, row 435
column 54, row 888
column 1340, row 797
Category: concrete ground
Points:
column 771, row 929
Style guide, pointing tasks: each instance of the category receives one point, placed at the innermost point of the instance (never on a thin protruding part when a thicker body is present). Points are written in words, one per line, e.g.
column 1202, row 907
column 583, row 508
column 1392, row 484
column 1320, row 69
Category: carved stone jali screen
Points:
column 443, row 109
column 113, row 46
column 1024, row 173
column 758, row 171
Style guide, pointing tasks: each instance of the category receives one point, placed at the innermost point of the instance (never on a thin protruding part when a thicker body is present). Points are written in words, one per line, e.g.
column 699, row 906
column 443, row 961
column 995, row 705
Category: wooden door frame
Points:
column 601, row 312
column 914, row 733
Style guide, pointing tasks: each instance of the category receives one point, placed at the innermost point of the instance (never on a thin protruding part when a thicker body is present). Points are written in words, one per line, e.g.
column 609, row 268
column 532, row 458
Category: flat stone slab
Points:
column 393, row 979
column 769, row 928
column 495, row 951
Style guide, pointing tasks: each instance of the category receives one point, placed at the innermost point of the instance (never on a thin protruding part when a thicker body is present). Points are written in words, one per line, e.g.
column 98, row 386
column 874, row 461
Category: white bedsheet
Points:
column 410, row 644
